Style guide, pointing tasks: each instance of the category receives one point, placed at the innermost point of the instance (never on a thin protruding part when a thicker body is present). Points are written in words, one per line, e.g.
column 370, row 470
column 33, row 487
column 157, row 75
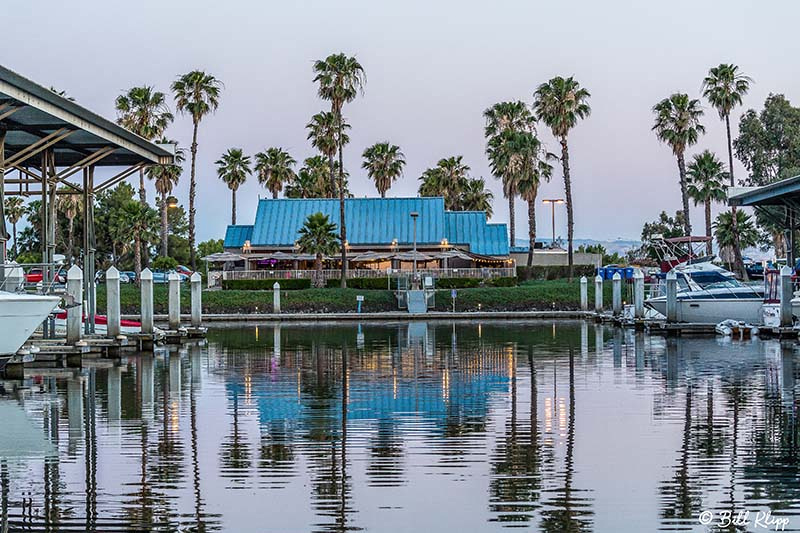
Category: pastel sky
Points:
column 432, row 68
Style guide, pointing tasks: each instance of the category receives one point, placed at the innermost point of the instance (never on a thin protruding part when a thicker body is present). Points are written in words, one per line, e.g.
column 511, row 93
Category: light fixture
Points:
column 172, row 202
column 246, row 248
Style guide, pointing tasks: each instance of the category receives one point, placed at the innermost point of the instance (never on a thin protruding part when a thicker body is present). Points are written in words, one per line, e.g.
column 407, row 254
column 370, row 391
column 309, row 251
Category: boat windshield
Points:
column 714, row 280
column 727, row 284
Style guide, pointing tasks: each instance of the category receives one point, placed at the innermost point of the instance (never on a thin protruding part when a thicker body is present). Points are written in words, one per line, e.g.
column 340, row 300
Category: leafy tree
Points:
column 664, row 226
column 112, row 236
column 164, row 263
column 607, row 259
column 706, row 184
column 166, row 177
column 211, row 246
column 14, row 209
column 196, row 94
column 724, row 232
column 233, row 168
column 560, row 103
column 677, row 124
column 384, row 163
column 504, row 120
column 143, row 111
column 318, row 237
column 324, row 134
column 274, row 169
column 340, row 78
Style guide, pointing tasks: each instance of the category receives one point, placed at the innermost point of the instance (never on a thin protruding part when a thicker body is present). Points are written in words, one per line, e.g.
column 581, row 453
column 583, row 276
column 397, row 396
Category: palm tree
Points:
column 384, row 163
column 476, row 197
column 139, row 220
column 311, row 180
column 502, row 119
column 143, row 111
column 318, row 237
column 233, row 168
column 530, row 162
column 196, row 94
column 166, row 178
column 71, row 205
column 560, row 103
column 678, row 125
column 274, row 168
column 705, row 185
column 15, row 209
column 323, row 132
column 340, row 79
column 447, row 179
column 724, row 232
column 724, row 88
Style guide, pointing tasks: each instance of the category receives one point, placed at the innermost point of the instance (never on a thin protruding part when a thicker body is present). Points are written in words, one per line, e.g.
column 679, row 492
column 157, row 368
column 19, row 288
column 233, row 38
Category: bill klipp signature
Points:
column 758, row 519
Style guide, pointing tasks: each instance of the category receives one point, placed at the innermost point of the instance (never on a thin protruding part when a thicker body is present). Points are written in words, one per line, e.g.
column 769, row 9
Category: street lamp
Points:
column 414, row 216
column 553, row 202
column 172, row 202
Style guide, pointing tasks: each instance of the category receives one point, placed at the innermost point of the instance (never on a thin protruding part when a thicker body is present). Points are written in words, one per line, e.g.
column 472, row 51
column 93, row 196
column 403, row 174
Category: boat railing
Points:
column 39, row 278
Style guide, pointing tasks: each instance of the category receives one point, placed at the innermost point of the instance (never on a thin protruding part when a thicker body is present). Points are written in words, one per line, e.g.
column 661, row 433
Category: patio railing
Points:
column 483, row 273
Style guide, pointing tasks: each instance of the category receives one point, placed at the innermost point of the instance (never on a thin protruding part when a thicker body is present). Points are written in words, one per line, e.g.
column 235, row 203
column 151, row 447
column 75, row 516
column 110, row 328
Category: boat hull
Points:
column 20, row 315
column 713, row 310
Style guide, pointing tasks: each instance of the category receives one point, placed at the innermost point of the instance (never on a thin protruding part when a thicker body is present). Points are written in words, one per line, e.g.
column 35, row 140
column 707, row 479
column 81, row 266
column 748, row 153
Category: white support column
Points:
column 672, row 296
column 112, row 302
column 616, row 294
column 276, row 298
column 75, row 303
column 638, row 293
column 197, row 300
column 174, row 301
column 786, row 297
column 584, row 294
column 598, row 294
column 146, row 284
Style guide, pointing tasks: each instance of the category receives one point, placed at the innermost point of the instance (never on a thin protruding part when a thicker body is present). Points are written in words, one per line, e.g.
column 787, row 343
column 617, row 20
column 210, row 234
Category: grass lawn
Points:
column 530, row 296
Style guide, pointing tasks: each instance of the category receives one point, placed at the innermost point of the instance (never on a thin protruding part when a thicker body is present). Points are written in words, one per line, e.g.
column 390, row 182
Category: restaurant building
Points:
column 382, row 235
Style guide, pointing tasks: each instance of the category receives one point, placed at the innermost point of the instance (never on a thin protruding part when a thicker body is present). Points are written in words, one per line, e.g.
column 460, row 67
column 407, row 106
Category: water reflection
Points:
column 441, row 426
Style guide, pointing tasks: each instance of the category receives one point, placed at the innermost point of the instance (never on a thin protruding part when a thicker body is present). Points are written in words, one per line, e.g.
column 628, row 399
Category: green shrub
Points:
column 164, row 263
column 265, row 284
column 369, row 284
column 501, row 282
column 458, row 283
column 525, row 273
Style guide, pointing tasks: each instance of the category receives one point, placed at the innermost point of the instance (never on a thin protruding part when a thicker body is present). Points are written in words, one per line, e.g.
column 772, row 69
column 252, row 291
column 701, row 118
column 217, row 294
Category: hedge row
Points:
column 525, row 273
column 265, row 284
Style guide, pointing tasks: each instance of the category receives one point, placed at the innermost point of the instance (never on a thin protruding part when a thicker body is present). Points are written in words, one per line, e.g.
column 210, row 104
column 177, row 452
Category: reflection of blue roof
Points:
column 374, row 221
column 236, row 235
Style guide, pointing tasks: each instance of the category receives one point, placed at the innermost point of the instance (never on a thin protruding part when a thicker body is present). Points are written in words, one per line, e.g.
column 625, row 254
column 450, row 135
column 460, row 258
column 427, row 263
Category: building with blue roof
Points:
column 376, row 229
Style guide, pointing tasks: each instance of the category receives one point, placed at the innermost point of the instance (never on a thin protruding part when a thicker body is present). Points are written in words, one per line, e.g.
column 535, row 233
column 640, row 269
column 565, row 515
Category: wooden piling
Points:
column 276, row 298
column 787, row 293
column 174, row 301
column 616, row 299
column 584, row 294
column 112, row 303
column 197, row 300
column 598, row 294
column 638, row 294
column 672, row 296
column 146, row 282
column 74, row 303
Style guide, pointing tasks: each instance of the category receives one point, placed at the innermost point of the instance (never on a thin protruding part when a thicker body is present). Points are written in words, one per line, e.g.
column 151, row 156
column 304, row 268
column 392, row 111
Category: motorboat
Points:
column 20, row 315
column 709, row 294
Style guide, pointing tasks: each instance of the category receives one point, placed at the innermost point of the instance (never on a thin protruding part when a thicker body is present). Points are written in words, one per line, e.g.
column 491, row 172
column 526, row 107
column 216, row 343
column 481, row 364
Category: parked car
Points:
column 182, row 269
column 35, row 275
column 161, row 277
column 127, row 276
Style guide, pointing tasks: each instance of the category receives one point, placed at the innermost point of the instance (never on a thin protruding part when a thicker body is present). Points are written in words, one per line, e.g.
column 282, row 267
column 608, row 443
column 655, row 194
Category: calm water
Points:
column 562, row 426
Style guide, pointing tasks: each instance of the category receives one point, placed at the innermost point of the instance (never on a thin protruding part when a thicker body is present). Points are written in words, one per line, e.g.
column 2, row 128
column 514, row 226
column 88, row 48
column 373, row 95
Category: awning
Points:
column 222, row 257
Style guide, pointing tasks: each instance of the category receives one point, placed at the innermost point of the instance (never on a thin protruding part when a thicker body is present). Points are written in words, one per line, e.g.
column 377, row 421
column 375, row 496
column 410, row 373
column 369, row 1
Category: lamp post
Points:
column 414, row 216
column 553, row 202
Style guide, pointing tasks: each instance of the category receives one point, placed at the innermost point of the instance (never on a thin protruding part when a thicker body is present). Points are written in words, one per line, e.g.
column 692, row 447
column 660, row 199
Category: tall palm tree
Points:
column 14, row 211
column 166, row 178
column 311, row 180
column 706, row 185
column 530, row 162
column 476, row 197
column 233, row 168
column 384, row 163
column 274, row 168
column 340, row 79
column 504, row 118
column 143, row 111
column 323, row 132
column 447, row 179
column 70, row 205
column 560, row 103
column 196, row 94
column 318, row 237
column 724, row 88
column 723, row 229
column 678, row 125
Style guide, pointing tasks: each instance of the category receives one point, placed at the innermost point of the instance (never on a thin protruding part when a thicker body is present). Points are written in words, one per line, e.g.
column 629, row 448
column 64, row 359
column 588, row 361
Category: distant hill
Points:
column 619, row 246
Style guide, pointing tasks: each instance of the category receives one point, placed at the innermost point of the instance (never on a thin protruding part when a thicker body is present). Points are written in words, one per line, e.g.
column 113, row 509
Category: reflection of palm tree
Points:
column 679, row 496
column 235, row 453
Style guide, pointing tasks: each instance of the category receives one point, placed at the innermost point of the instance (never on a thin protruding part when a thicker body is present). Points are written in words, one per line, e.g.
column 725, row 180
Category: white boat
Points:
column 708, row 294
column 20, row 315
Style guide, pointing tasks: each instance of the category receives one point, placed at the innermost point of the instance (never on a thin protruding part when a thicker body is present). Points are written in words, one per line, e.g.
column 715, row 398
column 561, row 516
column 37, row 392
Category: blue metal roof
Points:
column 236, row 235
column 374, row 221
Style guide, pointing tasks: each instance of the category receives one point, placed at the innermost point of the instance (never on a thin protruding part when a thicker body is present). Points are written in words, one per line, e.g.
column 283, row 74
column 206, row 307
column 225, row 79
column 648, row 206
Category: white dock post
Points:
column 276, row 298
column 672, row 296
column 616, row 294
column 598, row 294
column 146, row 283
column 584, row 294
column 74, row 311
column 197, row 300
column 174, row 301
column 786, row 297
column 638, row 294
column 112, row 302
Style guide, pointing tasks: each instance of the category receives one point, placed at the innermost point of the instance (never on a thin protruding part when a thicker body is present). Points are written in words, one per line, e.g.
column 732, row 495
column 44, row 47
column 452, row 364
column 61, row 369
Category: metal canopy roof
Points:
column 31, row 113
column 781, row 193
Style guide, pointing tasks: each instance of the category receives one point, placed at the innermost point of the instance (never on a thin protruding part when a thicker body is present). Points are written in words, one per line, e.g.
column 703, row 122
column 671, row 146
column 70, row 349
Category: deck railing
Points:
column 482, row 273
